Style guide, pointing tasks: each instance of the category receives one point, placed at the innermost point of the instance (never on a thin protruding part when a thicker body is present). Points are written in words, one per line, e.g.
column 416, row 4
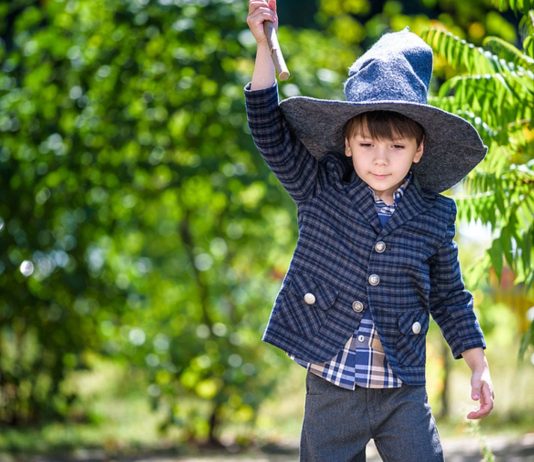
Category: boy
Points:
column 375, row 254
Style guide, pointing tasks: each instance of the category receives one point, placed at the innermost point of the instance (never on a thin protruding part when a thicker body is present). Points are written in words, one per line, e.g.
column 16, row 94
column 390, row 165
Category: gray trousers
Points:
column 339, row 423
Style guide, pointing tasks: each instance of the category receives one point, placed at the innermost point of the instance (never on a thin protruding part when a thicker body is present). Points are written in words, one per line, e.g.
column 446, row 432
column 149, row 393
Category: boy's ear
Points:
column 348, row 152
column 419, row 152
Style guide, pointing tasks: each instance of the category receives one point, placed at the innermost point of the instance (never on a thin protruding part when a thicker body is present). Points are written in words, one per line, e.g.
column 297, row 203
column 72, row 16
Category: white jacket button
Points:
column 374, row 279
column 380, row 247
column 416, row 327
column 357, row 306
column 309, row 298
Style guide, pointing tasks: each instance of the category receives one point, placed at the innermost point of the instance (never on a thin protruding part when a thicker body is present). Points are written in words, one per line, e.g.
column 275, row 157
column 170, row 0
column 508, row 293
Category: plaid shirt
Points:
column 362, row 360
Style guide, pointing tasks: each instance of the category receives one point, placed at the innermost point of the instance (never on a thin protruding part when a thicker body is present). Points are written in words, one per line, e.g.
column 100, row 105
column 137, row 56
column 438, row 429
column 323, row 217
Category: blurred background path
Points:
column 504, row 449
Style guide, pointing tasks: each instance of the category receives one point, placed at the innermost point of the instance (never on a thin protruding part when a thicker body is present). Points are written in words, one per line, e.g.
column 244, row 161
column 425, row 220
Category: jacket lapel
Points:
column 361, row 200
column 414, row 202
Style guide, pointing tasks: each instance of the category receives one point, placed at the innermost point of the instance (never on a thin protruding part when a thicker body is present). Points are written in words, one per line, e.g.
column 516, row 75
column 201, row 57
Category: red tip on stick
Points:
column 276, row 52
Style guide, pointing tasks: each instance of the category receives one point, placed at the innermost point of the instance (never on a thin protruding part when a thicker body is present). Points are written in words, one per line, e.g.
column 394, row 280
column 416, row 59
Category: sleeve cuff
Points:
column 265, row 96
column 458, row 351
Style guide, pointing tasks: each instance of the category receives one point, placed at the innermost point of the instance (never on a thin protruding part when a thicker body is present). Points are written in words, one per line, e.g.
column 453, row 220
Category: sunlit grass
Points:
column 118, row 417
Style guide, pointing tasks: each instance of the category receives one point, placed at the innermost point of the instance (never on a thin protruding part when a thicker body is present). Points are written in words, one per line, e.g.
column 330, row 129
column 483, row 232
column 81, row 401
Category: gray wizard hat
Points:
column 393, row 75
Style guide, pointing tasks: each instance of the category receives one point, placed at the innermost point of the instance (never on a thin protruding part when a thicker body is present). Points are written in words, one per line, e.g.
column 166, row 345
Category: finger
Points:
column 262, row 10
column 254, row 4
column 487, row 397
column 474, row 415
column 486, row 403
column 264, row 5
column 260, row 16
column 475, row 390
column 483, row 411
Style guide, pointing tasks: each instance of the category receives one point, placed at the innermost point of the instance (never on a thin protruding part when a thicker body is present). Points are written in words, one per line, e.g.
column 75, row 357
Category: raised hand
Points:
column 260, row 11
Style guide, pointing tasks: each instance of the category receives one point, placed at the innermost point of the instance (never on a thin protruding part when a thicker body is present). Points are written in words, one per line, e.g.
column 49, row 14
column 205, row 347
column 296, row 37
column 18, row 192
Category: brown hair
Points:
column 384, row 125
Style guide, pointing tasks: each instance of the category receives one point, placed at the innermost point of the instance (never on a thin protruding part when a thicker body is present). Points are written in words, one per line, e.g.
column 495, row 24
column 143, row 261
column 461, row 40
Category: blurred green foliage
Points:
column 133, row 215
column 136, row 219
column 493, row 88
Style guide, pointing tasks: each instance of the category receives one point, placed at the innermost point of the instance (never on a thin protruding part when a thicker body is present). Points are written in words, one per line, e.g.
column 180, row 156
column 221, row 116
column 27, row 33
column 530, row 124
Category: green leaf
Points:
column 508, row 52
column 520, row 6
column 464, row 56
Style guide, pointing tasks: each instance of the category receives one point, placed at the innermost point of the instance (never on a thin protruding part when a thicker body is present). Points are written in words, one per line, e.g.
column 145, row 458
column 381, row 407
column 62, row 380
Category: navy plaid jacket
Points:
column 346, row 263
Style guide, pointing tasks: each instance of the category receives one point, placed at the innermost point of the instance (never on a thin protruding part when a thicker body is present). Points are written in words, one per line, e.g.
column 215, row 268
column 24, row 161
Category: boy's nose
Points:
column 380, row 156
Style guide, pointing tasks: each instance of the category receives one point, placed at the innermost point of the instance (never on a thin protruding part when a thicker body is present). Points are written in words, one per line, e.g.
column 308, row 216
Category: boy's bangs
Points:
column 384, row 125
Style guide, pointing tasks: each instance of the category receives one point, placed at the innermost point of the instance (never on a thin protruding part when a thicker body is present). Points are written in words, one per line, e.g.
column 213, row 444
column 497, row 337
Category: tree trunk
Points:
column 444, row 401
column 214, row 422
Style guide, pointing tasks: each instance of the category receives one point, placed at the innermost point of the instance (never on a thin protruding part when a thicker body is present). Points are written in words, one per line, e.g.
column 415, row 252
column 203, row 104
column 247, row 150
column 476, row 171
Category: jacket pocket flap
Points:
column 313, row 292
column 413, row 323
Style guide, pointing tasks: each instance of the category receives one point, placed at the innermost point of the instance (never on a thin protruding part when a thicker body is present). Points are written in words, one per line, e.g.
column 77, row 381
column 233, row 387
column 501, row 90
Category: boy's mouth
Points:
column 379, row 176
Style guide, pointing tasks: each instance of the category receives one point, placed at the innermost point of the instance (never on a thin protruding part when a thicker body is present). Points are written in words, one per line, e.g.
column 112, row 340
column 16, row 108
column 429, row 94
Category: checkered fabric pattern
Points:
column 362, row 361
column 337, row 266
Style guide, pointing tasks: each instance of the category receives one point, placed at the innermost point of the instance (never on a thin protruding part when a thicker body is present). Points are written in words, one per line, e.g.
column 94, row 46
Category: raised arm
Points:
column 259, row 12
column 286, row 156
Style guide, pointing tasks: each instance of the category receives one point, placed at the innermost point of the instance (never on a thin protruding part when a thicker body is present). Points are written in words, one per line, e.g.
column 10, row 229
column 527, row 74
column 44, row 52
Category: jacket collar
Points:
column 414, row 202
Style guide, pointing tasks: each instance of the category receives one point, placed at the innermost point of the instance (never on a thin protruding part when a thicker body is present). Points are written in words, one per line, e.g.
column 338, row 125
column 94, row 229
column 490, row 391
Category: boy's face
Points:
column 382, row 163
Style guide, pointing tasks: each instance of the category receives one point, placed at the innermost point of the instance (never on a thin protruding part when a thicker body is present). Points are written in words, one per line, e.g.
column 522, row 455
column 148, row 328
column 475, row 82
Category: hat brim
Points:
column 453, row 147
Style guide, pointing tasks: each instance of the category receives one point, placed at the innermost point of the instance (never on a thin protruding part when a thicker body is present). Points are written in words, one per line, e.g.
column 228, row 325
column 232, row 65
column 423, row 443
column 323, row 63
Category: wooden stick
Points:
column 276, row 52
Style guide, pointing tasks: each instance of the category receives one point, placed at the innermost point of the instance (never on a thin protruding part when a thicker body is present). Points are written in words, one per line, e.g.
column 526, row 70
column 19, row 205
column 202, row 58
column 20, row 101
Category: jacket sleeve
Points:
column 451, row 305
column 286, row 156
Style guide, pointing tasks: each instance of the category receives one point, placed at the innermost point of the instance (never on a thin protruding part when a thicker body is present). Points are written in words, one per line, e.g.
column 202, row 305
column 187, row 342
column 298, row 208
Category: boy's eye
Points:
column 398, row 146
column 365, row 145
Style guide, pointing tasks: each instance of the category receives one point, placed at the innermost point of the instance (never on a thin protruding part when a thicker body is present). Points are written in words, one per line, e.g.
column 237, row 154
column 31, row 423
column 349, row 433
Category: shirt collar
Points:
column 397, row 195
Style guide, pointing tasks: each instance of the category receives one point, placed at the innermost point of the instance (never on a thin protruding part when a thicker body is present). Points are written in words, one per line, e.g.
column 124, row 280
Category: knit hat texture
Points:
column 393, row 75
